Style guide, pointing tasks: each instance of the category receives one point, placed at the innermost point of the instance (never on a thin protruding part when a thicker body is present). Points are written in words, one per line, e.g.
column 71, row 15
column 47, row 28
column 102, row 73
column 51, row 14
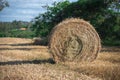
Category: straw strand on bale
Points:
column 74, row 40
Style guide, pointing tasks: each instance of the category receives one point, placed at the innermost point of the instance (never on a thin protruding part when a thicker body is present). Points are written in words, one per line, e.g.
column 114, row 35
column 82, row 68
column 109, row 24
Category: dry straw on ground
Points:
column 74, row 40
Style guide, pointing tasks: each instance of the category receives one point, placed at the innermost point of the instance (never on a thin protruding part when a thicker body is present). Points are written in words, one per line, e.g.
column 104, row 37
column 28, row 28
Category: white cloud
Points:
column 15, row 16
column 24, row 2
column 29, row 11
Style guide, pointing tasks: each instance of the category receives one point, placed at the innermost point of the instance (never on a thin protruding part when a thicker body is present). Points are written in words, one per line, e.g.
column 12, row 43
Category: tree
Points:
column 3, row 3
column 103, row 15
column 43, row 23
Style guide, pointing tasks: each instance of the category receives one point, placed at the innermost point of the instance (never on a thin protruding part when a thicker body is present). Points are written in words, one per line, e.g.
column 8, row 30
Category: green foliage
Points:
column 103, row 15
column 43, row 24
column 110, row 30
column 7, row 26
column 21, row 33
column 2, row 34
column 13, row 29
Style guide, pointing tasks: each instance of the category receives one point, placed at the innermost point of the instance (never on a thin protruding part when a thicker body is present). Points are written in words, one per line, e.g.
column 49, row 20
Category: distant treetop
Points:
column 3, row 3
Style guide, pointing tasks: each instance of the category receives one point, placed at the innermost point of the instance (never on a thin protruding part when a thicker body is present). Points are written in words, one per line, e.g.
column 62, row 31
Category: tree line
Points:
column 16, row 29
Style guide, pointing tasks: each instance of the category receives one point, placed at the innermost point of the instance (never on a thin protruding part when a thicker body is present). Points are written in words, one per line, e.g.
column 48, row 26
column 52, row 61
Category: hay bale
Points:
column 40, row 41
column 74, row 40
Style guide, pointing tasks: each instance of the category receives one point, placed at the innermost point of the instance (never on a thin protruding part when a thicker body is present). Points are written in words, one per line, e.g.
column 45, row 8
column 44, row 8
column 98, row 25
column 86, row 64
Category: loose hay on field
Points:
column 39, row 72
column 74, row 40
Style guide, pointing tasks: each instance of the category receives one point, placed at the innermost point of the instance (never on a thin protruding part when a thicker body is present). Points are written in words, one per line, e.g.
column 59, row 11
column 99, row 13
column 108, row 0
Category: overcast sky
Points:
column 24, row 10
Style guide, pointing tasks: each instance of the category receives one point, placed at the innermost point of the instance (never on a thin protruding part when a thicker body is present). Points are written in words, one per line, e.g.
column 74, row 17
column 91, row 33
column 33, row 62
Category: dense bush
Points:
column 2, row 34
column 21, row 33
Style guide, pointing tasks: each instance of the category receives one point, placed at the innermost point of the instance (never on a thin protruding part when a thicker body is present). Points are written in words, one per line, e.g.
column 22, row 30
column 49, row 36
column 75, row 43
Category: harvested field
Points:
column 20, row 60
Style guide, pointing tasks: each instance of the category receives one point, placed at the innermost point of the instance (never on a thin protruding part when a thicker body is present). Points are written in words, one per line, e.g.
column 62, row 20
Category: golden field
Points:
column 21, row 60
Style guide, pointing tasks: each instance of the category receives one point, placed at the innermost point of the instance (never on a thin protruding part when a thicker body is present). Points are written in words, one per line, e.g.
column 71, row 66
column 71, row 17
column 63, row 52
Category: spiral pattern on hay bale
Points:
column 74, row 40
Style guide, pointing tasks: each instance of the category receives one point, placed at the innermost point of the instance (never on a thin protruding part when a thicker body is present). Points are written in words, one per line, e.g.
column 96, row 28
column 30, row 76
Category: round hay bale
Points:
column 74, row 40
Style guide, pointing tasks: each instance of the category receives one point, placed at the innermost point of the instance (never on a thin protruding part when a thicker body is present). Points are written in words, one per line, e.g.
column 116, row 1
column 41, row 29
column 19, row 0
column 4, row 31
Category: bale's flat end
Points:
column 74, row 40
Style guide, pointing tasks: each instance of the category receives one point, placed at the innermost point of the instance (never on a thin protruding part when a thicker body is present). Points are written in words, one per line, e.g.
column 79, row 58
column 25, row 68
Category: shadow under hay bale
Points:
column 74, row 40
